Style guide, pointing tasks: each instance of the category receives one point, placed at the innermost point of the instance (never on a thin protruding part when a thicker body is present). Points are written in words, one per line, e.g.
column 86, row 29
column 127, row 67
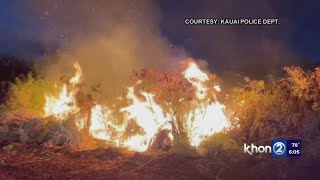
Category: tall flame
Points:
column 208, row 117
column 197, row 78
column 65, row 102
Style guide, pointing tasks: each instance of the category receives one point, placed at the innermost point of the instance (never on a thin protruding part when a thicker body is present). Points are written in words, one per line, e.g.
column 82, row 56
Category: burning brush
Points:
column 156, row 105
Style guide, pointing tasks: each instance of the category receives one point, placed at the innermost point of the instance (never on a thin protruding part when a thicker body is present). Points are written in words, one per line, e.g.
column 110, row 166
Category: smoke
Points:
column 109, row 39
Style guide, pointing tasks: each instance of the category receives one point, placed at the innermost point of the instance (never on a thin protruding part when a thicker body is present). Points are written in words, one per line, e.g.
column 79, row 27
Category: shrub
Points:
column 27, row 94
column 305, row 85
column 10, row 68
column 288, row 107
column 218, row 142
column 182, row 146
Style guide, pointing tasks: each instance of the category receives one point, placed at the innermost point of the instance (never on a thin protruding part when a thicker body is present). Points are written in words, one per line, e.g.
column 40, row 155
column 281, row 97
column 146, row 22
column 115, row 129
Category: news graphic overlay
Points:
column 293, row 148
column 279, row 148
column 231, row 21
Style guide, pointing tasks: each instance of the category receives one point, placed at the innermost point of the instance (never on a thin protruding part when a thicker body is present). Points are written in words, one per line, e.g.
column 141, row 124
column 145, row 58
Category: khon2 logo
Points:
column 279, row 148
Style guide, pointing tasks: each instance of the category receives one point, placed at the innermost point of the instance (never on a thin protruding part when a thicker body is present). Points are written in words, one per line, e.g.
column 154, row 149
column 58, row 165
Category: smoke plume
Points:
column 109, row 39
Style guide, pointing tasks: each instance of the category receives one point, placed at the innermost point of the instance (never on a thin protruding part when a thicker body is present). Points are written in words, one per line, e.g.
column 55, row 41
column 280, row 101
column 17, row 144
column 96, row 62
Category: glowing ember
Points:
column 217, row 88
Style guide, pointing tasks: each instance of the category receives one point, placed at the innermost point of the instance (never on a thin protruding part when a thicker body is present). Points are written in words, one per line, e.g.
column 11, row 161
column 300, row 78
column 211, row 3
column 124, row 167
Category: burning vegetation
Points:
column 180, row 104
column 183, row 112
column 111, row 95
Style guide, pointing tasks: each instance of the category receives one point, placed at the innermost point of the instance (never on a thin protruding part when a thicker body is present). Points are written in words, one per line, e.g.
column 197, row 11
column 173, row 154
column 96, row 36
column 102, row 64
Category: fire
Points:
column 76, row 79
column 99, row 122
column 197, row 78
column 204, row 120
column 60, row 106
column 208, row 117
column 148, row 115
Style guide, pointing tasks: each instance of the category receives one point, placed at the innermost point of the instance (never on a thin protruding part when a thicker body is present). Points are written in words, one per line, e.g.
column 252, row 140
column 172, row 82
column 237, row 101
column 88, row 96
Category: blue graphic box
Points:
column 279, row 148
column 293, row 148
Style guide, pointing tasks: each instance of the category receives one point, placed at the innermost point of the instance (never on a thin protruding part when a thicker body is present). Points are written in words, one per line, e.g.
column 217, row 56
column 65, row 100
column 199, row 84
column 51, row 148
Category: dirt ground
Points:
column 43, row 162
column 39, row 162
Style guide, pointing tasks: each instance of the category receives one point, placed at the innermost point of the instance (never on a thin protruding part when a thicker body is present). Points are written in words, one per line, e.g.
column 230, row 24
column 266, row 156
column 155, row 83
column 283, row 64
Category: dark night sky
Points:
column 298, row 35
column 301, row 20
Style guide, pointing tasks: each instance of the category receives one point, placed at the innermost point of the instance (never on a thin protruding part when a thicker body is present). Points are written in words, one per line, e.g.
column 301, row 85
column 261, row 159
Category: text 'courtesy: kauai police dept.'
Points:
column 231, row 21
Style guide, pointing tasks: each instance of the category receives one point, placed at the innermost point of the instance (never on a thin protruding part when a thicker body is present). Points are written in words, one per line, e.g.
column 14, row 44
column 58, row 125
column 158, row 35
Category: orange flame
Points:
column 207, row 118
column 65, row 102
column 148, row 115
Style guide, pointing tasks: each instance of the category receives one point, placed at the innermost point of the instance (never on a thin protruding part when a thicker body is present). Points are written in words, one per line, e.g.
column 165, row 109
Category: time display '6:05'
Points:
column 294, row 152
